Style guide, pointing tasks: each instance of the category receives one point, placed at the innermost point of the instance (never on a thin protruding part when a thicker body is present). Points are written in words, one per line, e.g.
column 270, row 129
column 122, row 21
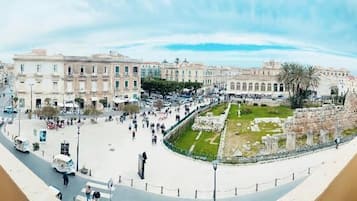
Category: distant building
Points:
column 150, row 70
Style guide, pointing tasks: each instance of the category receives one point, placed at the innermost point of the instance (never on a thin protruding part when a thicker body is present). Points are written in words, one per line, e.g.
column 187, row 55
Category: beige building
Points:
column 110, row 78
column 183, row 72
column 106, row 78
column 38, row 77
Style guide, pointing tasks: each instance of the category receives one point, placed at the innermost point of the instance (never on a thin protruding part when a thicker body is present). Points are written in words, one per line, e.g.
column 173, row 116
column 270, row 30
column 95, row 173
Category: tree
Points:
column 79, row 101
column 48, row 112
column 15, row 99
column 92, row 111
column 131, row 108
column 298, row 80
column 47, row 101
column 158, row 104
column 104, row 102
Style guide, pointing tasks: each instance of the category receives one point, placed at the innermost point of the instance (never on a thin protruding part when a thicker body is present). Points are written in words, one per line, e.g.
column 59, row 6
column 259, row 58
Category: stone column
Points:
column 291, row 141
column 323, row 136
column 310, row 138
column 274, row 144
column 338, row 130
column 267, row 142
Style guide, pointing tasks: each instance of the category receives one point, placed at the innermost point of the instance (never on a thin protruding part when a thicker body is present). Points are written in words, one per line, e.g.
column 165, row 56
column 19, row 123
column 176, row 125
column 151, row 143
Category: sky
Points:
column 224, row 33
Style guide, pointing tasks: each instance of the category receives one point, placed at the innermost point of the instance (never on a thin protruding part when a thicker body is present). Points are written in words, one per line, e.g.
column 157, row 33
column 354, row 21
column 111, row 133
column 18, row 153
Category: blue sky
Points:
column 224, row 32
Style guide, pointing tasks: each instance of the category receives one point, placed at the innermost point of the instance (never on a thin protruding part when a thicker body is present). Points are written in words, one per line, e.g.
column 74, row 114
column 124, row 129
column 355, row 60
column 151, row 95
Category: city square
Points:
column 169, row 100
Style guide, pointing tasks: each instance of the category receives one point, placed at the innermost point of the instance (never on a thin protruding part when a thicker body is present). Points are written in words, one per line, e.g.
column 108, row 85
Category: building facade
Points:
column 61, row 81
column 150, row 70
column 183, row 72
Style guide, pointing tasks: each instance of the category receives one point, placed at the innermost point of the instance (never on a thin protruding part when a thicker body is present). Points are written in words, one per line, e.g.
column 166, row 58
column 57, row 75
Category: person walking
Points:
column 88, row 192
column 133, row 135
column 65, row 179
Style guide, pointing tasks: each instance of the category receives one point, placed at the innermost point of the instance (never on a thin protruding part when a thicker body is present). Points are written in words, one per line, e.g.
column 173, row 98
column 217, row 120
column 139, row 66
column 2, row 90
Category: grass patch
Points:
column 350, row 131
column 203, row 146
column 217, row 109
column 186, row 139
column 239, row 128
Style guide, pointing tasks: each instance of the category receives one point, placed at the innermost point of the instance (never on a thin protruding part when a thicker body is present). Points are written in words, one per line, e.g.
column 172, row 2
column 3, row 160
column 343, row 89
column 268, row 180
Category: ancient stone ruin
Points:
column 210, row 122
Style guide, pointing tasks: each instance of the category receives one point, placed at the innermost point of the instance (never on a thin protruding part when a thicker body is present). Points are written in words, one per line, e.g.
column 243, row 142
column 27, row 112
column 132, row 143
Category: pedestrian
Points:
column 136, row 126
column 88, row 192
column 129, row 127
column 133, row 135
column 337, row 141
column 65, row 179
column 96, row 196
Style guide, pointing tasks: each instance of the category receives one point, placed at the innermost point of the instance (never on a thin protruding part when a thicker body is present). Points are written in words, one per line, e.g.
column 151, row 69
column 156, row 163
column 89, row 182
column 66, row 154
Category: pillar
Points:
column 310, row 138
column 291, row 141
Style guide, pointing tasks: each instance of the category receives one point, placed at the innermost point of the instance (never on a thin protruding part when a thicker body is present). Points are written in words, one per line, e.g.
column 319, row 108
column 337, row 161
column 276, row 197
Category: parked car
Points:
column 22, row 144
column 57, row 193
column 10, row 110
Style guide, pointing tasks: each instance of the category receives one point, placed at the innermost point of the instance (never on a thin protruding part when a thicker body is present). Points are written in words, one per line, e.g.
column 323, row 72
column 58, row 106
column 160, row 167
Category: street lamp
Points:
column 78, row 132
column 214, row 164
column 31, row 96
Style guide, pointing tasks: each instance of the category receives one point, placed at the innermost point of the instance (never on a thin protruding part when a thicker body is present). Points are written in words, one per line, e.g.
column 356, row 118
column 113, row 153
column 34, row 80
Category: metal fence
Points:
column 192, row 193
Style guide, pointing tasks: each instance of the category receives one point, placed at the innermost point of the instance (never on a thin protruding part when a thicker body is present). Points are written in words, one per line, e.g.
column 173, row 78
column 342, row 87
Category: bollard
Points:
column 162, row 190
column 146, row 186
column 119, row 179
column 308, row 171
column 256, row 187
column 131, row 182
column 293, row 176
column 195, row 194
column 236, row 191
column 276, row 182
column 178, row 192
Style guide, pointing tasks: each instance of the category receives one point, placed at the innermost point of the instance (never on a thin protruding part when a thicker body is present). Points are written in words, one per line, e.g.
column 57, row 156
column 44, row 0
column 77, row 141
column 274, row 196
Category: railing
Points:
column 235, row 191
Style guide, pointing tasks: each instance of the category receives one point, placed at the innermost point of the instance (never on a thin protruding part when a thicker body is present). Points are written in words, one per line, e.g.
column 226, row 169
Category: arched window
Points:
column 281, row 87
column 262, row 87
column 244, row 86
column 238, row 86
column 269, row 87
column 256, row 87
column 250, row 87
column 275, row 87
column 232, row 85
column 69, row 70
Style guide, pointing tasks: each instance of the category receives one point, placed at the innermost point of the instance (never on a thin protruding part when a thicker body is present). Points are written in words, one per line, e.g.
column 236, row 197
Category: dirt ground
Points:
column 9, row 191
column 344, row 186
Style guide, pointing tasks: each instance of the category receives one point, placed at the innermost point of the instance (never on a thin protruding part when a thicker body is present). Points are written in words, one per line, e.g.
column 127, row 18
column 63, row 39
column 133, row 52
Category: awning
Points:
column 133, row 100
column 94, row 98
column 118, row 100
column 71, row 105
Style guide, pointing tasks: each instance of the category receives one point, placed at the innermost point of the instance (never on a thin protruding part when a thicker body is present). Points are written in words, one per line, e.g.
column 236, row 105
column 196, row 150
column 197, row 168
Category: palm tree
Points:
column 299, row 80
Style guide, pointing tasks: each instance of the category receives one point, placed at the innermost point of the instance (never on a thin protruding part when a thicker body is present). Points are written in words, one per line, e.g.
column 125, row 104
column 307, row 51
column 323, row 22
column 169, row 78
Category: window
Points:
column 281, row 87
column 269, row 87
column 117, row 70
column 55, row 68
column 250, row 87
column 94, row 86
column 105, row 70
column 275, row 87
column 232, row 85
column 256, row 87
column 126, row 70
column 135, row 84
column 94, row 70
column 82, row 70
column 135, row 70
column 126, row 84
column 69, row 70
column 238, row 86
column 244, row 87
column 105, row 86
column 196, row 73
column 38, row 68
column 262, row 87
column 81, row 86
column 55, row 86
column 117, row 84
column 22, row 67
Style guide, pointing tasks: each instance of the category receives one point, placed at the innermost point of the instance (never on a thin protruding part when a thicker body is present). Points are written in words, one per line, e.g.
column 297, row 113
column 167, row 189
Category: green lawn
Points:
column 186, row 139
column 217, row 109
column 350, row 131
column 239, row 128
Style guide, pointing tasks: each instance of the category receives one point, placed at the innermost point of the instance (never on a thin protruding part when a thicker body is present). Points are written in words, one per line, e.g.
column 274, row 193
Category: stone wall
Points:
column 327, row 118
column 211, row 123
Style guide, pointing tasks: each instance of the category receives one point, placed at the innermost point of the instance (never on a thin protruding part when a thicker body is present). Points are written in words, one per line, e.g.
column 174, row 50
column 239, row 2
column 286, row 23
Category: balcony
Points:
column 135, row 74
column 105, row 76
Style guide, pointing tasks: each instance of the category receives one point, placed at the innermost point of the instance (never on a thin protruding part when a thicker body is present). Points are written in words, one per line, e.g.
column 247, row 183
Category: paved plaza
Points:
column 108, row 150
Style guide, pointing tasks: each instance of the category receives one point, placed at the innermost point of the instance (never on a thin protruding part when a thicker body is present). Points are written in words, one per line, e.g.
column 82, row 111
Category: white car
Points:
column 63, row 163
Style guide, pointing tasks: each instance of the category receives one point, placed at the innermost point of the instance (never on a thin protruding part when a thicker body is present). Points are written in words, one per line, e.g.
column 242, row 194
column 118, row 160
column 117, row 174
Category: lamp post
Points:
column 78, row 132
column 31, row 95
column 214, row 164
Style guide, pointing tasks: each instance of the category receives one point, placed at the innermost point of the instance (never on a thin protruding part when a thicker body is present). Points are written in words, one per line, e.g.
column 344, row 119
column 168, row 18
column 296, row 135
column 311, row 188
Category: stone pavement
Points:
column 107, row 149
